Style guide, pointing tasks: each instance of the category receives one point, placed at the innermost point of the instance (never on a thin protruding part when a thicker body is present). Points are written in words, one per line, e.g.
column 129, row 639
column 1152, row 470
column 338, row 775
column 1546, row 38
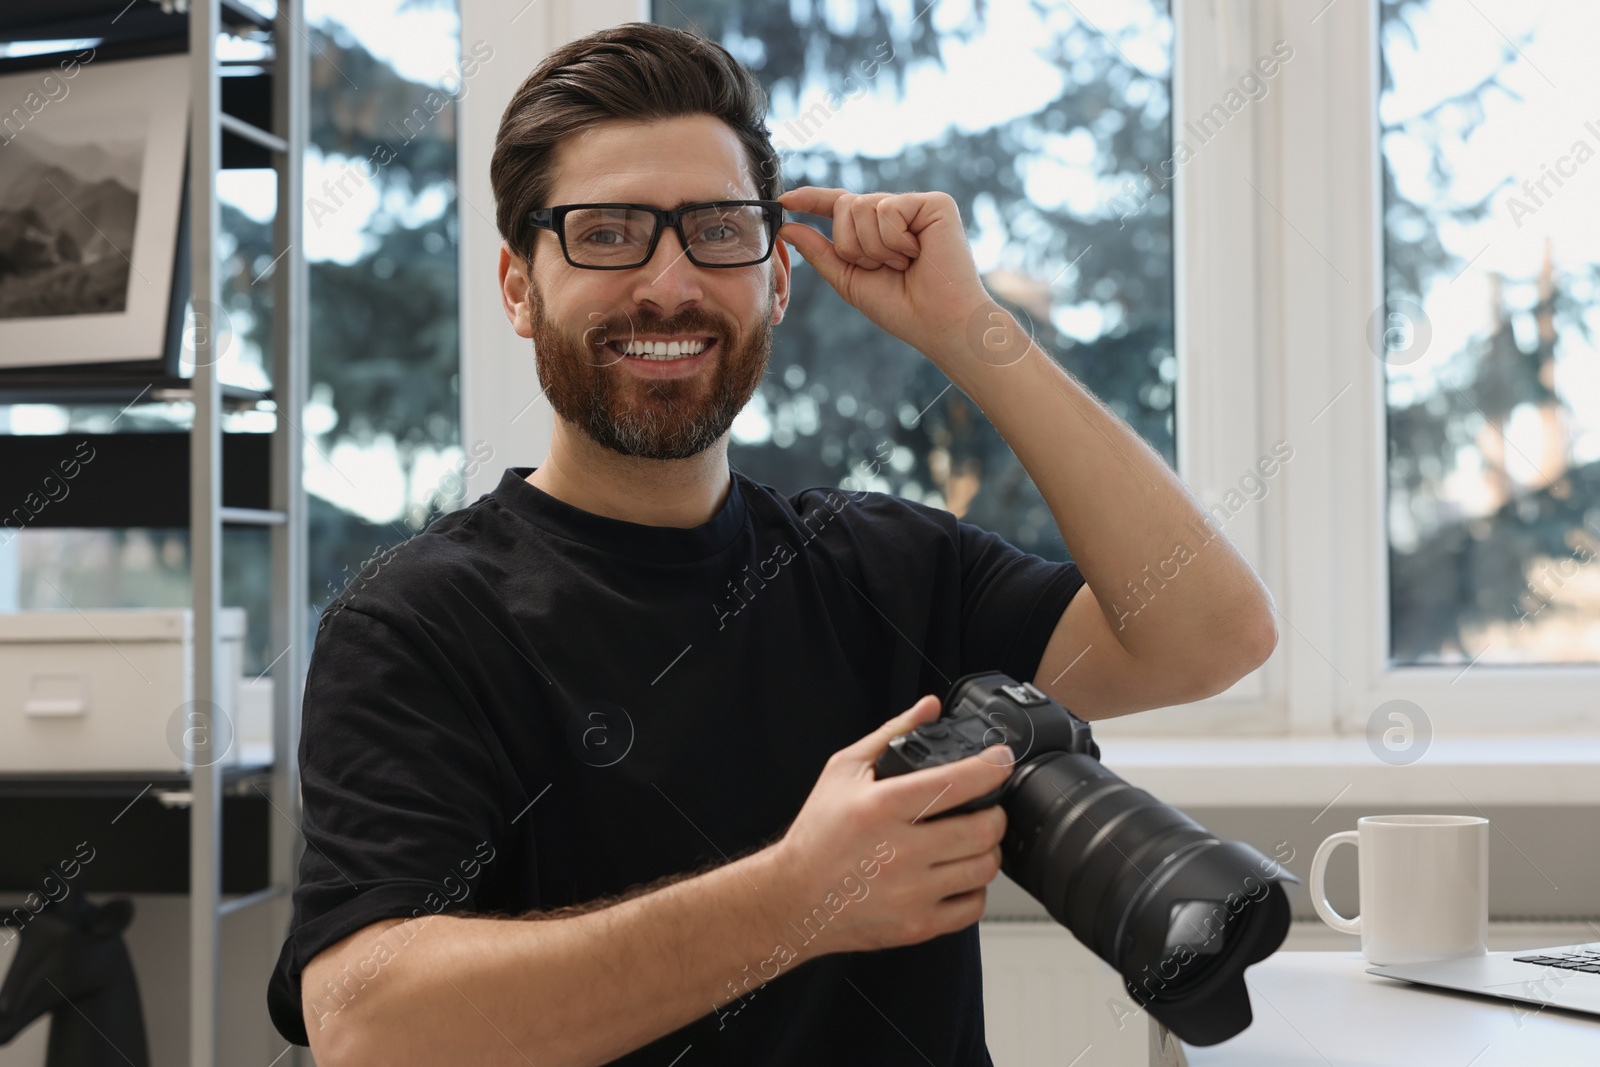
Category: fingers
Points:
column 817, row 250
column 865, row 234
column 966, row 874
column 888, row 241
column 865, row 752
column 811, row 199
column 811, row 242
column 960, row 912
column 860, row 235
column 959, row 838
column 860, row 232
column 923, row 794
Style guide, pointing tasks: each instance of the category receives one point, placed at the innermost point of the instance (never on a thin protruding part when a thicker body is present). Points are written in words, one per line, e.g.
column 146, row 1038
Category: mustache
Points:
column 635, row 325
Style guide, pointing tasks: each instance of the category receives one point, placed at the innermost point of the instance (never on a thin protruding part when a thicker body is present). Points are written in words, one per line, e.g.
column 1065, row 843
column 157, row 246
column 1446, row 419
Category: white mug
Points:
column 1424, row 886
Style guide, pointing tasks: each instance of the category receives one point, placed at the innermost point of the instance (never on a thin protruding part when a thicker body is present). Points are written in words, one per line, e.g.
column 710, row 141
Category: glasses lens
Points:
column 608, row 236
column 727, row 235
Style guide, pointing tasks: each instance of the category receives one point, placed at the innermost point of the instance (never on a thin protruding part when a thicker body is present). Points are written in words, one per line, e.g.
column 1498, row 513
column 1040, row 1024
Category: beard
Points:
column 649, row 418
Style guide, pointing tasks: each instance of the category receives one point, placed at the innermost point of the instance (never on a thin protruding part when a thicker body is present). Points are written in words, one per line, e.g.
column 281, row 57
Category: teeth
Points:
column 661, row 350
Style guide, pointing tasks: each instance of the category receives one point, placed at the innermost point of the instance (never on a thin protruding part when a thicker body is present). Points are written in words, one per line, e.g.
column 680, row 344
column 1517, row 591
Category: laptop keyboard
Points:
column 1587, row 960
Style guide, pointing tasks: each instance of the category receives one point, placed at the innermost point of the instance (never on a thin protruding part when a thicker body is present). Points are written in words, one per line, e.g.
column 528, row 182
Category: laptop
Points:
column 1565, row 977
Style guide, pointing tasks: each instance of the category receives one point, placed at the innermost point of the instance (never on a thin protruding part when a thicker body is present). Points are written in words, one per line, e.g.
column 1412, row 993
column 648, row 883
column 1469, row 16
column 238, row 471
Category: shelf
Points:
column 140, row 845
column 130, row 479
column 117, row 23
column 101, row 785
column 145, row 30
column 120, row 384
column 251, row 517
column 242, row 15
column 254, row 134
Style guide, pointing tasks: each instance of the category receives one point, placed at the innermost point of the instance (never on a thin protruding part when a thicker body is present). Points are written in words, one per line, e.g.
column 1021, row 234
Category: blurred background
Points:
column 1361, row 233
column 1055, row 135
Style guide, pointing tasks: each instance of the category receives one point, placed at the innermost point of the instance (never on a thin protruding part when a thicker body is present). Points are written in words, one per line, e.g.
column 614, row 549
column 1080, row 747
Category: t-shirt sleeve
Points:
column 1011, row 601
column 399, row 795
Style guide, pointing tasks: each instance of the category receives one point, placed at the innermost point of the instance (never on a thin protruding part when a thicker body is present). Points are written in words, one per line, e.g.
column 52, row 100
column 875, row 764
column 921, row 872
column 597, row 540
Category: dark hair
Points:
column 637, row 71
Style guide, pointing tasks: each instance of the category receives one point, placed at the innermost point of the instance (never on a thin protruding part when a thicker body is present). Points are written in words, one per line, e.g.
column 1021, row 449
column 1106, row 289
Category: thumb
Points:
column 865, row 752
column 817, row 250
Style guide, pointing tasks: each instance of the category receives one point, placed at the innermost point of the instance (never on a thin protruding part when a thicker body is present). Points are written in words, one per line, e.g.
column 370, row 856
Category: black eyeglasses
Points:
column 721, row 233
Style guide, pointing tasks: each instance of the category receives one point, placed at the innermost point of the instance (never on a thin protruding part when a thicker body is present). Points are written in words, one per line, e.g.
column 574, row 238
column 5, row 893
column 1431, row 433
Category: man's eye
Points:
column 619, row 235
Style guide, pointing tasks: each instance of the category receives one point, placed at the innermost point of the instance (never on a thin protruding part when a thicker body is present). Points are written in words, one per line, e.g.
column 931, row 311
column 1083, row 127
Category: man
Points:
column 621, row 714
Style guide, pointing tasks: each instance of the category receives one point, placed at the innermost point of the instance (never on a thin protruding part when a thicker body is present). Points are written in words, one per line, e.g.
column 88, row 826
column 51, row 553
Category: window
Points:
column 1050, row 131
column 382, row 232
column 1425, row 343
column 1491, row 268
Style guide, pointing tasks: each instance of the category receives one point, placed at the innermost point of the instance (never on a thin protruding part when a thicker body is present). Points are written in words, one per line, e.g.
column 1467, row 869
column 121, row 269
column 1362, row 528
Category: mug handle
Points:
column 1319, row 891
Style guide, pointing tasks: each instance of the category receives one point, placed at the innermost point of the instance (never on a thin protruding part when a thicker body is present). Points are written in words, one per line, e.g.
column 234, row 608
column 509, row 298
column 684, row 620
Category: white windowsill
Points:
column 1314, row 771
column 1313, row 935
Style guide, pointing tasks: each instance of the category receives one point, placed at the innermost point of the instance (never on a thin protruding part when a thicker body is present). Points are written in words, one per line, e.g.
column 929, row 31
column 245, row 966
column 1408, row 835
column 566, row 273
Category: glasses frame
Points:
column 554, row 218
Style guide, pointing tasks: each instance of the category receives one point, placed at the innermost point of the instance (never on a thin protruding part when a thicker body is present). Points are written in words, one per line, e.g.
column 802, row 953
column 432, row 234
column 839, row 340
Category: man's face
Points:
column 580, row 320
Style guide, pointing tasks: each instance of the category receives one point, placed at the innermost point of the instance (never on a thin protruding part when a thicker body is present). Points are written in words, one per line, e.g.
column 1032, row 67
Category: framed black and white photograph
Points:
column 92, row 171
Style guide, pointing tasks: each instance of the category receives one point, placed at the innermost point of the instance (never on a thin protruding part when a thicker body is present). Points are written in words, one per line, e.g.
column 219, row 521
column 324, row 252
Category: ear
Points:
column 515, row 290
column 780, row 280
column 111, row 918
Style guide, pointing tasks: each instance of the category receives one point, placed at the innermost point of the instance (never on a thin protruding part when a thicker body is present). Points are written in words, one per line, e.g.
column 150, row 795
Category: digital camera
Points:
column 1177, row 911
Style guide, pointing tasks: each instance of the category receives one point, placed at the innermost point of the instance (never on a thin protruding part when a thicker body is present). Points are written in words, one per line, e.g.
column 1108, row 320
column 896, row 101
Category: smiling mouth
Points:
column 663, row 352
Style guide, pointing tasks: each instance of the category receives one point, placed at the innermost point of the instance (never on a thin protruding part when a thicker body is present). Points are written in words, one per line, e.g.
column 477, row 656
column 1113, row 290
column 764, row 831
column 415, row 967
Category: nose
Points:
column 668, row 279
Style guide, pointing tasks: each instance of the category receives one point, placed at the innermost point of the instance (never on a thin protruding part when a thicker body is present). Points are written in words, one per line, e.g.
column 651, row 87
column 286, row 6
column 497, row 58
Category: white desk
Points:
column 1321, row 1009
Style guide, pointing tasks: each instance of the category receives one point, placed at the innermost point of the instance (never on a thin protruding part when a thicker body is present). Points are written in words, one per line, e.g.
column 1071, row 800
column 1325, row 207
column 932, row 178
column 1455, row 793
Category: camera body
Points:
column 991, row 709
column 1178, row 912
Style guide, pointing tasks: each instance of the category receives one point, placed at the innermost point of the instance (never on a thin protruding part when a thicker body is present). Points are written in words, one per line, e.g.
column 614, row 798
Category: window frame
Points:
column 1278, row 253
column 1553, row 699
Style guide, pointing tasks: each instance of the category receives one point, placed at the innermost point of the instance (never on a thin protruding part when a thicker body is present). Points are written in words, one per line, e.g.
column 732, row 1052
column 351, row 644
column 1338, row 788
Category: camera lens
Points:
column 1177, row 911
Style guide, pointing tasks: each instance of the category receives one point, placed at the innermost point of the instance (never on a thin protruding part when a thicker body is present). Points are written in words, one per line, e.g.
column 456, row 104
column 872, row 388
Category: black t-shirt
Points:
column 528, row 705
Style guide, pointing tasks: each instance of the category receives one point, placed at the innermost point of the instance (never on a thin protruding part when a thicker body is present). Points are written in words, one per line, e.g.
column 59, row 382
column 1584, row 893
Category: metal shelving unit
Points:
column 286, row 513
column 147, row 30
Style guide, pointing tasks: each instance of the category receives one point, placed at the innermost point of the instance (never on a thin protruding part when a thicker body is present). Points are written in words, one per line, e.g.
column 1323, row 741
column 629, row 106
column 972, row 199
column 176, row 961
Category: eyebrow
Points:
column 682, row 201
